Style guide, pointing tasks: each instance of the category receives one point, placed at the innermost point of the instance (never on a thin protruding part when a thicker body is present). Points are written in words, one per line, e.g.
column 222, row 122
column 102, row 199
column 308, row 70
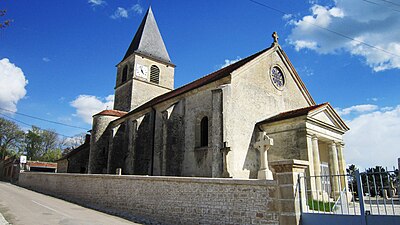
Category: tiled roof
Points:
column 292, row 113
column 111, row 112
column 219, row 74
column 42, row 164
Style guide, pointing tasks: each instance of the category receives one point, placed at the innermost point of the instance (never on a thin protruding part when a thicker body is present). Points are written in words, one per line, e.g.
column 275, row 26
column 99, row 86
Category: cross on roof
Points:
column 275, row 37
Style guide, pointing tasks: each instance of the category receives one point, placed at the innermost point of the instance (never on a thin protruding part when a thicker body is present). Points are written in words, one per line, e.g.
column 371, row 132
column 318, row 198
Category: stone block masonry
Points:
column 168, row 200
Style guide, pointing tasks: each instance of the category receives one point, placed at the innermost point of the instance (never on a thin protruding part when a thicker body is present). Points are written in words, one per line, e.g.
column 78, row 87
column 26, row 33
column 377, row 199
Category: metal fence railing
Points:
column 375, row 193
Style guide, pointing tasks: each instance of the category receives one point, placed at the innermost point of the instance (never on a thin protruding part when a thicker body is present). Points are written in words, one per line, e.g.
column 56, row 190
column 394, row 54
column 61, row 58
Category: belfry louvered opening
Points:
column 154, row 74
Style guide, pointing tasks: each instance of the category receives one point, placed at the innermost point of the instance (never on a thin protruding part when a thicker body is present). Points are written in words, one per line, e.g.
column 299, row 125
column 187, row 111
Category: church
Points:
column 230, row 123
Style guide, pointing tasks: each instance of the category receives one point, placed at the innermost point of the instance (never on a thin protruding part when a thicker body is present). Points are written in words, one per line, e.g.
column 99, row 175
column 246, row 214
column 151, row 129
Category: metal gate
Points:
column 368, row 198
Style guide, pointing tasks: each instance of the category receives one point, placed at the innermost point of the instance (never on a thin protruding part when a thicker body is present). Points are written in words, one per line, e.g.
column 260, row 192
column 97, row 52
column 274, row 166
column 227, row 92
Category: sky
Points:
column 58, row 58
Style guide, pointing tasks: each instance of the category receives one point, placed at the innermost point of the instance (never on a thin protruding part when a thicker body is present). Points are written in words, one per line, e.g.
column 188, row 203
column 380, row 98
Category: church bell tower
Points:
column 146, row 70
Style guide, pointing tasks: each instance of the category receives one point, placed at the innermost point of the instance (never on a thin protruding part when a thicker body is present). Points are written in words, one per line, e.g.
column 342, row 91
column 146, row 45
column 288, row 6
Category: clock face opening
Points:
column 141, row 71
column 277, row 77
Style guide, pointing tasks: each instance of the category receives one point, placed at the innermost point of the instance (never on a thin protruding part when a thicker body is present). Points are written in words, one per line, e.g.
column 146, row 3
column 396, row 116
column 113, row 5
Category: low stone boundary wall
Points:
column 169, row 200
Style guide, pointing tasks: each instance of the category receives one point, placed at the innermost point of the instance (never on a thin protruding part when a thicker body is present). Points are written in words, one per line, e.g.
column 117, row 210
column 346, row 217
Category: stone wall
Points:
column 170, row 200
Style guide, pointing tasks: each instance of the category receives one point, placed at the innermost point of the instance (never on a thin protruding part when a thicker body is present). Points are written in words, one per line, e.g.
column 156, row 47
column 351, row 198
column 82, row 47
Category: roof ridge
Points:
column 213, row 76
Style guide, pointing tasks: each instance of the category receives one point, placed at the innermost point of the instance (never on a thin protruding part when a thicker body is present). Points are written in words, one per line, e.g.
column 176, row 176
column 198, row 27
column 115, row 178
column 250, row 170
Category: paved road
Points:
column 20, row 206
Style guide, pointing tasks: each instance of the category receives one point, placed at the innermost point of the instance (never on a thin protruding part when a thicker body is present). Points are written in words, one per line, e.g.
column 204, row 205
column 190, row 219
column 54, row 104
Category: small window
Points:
column 124, row 74
column 204, row 132
column 154, row 74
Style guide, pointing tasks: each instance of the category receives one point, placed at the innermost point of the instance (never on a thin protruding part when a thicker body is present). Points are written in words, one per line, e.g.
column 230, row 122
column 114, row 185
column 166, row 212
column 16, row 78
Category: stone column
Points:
column 310, row 171
column 335, row 167
column 317, row 167
column 292, row 196
column 342, row 166
column 263, row 143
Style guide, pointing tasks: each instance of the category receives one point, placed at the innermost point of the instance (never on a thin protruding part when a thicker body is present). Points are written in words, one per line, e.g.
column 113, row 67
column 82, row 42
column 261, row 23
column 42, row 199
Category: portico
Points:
column 313, row 134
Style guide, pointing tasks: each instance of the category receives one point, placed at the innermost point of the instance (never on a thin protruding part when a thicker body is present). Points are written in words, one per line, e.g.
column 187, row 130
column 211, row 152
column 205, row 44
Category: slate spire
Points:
column 148, row 40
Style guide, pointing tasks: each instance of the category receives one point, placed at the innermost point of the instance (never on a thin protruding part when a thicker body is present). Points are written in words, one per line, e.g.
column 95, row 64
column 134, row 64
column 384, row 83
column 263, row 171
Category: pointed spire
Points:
column 148, row 40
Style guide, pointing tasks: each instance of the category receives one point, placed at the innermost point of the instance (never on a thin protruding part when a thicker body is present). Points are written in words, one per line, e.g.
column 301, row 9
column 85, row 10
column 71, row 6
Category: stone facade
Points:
column 209, row 127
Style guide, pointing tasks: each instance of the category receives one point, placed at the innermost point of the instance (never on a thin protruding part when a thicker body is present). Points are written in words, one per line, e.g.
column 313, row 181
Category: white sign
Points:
column 22, row 159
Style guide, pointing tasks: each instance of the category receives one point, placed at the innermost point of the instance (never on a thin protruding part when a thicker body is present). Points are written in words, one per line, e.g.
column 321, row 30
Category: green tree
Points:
column 11, row 137
column 52, row 155
column 42, row 145
column 351, row 179
column 375, row 180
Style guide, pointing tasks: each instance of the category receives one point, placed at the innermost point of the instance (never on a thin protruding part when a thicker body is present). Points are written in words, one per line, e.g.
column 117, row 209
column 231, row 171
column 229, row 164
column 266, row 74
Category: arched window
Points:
column 154, row 74
column 204, row 132
column 124, row 73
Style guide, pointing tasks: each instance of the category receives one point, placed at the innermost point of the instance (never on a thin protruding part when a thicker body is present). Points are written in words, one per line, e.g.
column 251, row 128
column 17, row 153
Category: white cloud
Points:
column 230, row 61
column 357, row 109
column 373, row 138
column 377, row 26
column 12, row 85
column 96, row 2
column 287, row 16
column 121, row 12
column 300, row 44
column 88, row 105
column 46, row 59
column 137, row 8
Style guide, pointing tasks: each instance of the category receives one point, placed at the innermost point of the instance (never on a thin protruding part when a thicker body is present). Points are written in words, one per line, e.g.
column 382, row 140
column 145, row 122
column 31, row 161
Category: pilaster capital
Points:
column 340, row 144
column 332, row 144
column 314, row 137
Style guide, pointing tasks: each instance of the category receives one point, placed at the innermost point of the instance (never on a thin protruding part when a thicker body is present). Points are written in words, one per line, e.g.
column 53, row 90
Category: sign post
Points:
column 22, row 160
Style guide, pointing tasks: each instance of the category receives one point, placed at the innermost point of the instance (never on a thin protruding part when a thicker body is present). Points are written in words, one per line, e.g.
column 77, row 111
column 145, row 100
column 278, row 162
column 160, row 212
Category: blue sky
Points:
column 57, row 59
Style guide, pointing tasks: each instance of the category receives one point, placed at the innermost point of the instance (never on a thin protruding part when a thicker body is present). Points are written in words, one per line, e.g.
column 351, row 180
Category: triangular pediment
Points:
column 275, row 56
column 322, row 115
column 326, row 115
